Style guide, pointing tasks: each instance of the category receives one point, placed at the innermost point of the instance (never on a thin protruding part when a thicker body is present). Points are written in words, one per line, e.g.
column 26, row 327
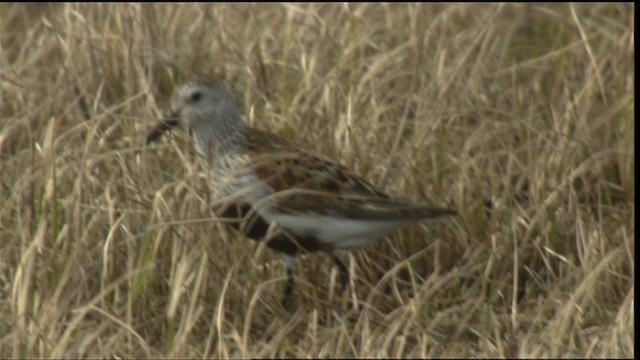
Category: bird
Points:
column 261, row 178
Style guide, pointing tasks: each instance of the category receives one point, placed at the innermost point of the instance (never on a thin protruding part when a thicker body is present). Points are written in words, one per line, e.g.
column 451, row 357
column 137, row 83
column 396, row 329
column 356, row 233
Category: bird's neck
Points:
column 215, row 141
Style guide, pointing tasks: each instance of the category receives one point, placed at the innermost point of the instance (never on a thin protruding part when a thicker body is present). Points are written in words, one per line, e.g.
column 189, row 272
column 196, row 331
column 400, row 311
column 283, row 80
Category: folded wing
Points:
column 307, row 183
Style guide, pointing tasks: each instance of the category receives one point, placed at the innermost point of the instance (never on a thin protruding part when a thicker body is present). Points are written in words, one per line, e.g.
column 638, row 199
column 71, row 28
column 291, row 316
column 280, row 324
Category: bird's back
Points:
column 311, row 195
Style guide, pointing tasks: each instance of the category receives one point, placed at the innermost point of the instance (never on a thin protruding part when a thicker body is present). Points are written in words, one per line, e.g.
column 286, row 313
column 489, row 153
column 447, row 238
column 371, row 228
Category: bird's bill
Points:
column 169, row 122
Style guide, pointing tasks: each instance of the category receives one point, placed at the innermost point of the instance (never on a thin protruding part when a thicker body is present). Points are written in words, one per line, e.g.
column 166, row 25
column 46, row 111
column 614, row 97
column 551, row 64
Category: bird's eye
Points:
column 196, row 96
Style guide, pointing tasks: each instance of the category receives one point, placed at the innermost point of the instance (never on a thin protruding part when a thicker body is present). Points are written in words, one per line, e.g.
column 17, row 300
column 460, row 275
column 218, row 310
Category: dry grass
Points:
column 108, row 248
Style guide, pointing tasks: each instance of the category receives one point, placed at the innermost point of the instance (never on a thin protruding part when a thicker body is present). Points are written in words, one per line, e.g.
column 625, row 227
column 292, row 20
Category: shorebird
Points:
column 262, row 179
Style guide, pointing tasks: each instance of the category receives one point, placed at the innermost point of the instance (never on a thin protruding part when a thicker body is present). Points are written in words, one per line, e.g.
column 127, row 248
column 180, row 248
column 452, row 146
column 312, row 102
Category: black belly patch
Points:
column 253, row 226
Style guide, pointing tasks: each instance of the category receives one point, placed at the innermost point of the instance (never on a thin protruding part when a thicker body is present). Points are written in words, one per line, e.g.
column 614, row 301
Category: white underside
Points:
column 337, row 231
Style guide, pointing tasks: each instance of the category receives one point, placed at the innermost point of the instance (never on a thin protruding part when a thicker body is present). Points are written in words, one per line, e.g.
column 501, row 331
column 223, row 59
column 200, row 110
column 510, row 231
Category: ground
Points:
column 519, row 116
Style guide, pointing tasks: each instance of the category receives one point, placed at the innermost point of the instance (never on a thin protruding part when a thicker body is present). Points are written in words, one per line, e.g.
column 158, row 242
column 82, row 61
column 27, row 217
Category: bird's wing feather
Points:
column 305, row 182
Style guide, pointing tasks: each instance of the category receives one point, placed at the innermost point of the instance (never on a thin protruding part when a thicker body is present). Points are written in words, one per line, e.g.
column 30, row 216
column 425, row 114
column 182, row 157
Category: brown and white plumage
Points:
column 265, row 178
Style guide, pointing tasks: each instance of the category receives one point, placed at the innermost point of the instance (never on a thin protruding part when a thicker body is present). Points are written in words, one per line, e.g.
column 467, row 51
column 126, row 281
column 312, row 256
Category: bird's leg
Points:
column 288, row 289
column 344, row 273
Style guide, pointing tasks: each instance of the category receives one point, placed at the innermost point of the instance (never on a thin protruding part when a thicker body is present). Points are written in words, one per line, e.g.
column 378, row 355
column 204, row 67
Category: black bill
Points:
column 162, row 127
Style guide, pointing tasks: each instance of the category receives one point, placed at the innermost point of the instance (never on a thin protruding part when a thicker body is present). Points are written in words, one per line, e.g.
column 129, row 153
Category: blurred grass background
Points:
column 520, row 116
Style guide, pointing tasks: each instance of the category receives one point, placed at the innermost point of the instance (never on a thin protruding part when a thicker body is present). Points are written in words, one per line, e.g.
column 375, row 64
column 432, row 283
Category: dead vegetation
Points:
column 520, row 116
